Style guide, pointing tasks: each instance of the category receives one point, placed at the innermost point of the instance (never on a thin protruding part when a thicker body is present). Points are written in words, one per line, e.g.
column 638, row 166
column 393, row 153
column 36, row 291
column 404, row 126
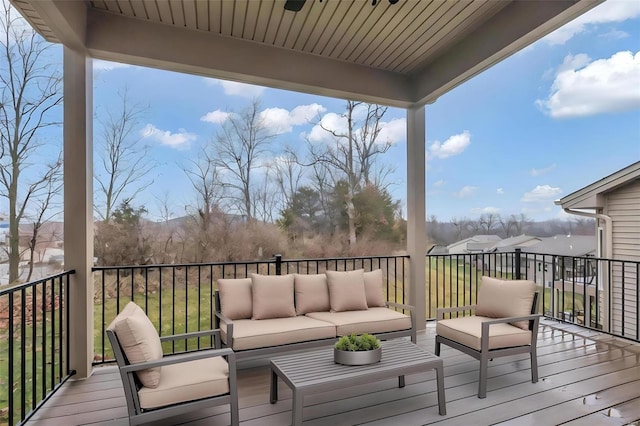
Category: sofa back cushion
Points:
column 505, row 298
column 346, row 290
column 273, row 296
column 139, row 341
column 312, row 293
column 373, row 284
column 236, row 301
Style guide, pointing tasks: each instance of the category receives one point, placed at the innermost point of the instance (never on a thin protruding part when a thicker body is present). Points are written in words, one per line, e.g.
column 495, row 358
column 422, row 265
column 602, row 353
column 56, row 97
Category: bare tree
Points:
column 239, row 147
column 205, row 179
column 488, row 221
column 124, row 162
column 354, row 153
column 30, row 91
column 288, row 174
column 45, row 208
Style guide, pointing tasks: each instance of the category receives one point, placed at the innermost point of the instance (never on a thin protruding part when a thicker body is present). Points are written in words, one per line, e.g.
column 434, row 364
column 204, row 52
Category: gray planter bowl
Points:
column 357, row 357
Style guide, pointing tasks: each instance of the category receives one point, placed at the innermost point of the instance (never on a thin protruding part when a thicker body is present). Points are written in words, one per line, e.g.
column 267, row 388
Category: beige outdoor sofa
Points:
column 266, row 314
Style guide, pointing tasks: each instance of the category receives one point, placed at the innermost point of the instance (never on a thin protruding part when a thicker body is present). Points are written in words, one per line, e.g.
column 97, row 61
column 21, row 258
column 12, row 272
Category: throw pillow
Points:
column 312, row 293
column 235, row 298
column 373, row 284
column 273, row 296
column 346, row 290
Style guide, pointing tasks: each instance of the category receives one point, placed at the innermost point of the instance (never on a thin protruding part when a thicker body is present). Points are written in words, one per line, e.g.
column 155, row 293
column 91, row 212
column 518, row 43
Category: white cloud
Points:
column 439, row 183
column 455, row 145
column 100, row 65
column 234, row 88
column 614, row 35
column 543, row 171
column 466, row 191
column 583, row 88
column 500, row 191
column 392, row 131
column 180, row 140
column 611, row 11
column 541, row 193
column 215, row 117
column 486, row 210
column 280, row 120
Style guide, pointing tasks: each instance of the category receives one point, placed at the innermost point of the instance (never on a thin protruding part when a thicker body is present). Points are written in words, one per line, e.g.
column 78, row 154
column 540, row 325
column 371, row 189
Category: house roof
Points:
column 477, row 240
column 403, row 54
column 510, row 243
column 590, row 197
column 566, row 245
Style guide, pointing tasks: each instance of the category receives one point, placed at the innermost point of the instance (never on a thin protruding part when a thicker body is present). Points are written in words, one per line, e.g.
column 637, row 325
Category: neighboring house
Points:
column 437, row 249
column 614, row 202
column 503, row 249
column 567, row 264
column 475, row 244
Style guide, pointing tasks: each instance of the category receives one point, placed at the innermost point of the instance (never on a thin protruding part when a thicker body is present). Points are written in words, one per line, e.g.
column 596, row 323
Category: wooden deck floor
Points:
column 586, row 378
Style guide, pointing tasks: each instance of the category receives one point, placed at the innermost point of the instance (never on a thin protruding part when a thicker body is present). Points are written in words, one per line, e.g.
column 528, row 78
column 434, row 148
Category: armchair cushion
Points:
column 468, row 331
column 505, row 298
column 373, row 289
column 346, row 290
column 187, row 381
column 235, row 298
column 272, row 296
column 139, row 340
column 312, row 293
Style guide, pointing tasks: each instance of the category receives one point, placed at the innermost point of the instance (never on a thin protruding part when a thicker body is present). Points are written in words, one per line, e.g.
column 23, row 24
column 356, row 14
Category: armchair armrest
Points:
column 440, row 312
column 410, row 308
column 229, row 331
column 177, row 359
column 215, row 333
column 484, row 339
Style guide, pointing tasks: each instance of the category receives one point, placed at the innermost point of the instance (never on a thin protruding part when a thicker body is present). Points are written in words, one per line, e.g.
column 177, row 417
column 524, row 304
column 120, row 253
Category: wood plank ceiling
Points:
column 394, row 38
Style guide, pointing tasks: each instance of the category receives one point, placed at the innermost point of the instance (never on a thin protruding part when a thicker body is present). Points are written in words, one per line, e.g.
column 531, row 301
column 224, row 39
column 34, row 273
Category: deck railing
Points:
column 582, row 290
column 34, row 321
column 596, row 293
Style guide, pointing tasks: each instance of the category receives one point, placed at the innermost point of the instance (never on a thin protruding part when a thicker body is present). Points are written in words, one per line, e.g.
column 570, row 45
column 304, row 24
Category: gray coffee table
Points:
column 314, row 371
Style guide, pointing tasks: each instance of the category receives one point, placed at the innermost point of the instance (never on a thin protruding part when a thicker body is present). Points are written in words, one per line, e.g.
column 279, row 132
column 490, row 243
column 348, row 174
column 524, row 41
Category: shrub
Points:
column 363, row 342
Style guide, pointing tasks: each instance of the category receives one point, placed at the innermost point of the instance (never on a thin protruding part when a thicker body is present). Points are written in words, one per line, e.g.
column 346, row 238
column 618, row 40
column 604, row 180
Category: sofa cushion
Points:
column 346, row 290
column 373, row 284
column 250, row 334
column 505, row 298
column 468, row 331
column 373, row 320
column 236, row 301
column 312, row 293
column 272, row 296
column 187, row 381
column 139, row 341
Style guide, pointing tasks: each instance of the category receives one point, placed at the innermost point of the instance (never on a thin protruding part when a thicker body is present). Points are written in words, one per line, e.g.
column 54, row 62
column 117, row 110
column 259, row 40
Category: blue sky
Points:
column 545, row 122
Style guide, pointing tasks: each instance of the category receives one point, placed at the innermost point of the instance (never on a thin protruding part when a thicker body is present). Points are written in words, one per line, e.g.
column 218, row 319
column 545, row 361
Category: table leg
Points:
column 273, row 392
column 440, row 379
column 297, row 409
column 400, row 381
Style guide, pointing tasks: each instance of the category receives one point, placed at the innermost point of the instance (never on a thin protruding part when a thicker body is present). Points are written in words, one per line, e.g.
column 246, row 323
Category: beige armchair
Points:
column 157, row 387
column 505, row 323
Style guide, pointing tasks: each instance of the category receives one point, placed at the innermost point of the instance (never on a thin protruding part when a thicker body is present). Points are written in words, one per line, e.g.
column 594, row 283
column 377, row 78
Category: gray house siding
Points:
column 623, row 207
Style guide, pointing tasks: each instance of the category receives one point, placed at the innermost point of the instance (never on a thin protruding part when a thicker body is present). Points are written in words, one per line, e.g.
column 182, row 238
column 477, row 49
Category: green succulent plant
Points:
column 363, row 342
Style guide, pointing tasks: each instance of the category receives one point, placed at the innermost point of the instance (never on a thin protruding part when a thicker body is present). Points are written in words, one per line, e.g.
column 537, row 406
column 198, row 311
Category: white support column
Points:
column 416, row 212
column 78, row 205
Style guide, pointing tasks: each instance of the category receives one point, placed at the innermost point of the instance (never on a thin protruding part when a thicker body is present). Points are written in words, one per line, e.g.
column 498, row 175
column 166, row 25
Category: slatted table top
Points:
column 314, row 368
